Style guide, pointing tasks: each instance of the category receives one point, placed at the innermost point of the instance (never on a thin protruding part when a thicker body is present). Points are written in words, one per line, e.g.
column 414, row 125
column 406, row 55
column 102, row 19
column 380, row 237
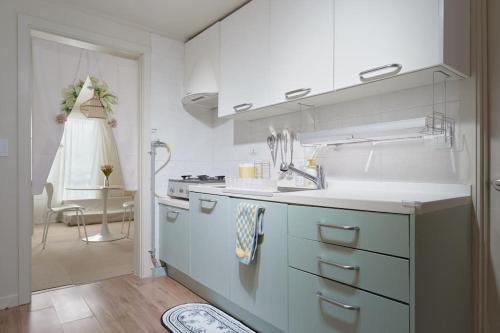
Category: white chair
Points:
column 128, row 207
column 49, row 188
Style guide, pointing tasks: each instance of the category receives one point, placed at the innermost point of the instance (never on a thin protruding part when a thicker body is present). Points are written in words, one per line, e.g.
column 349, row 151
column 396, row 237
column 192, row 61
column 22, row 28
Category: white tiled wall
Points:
column 202, row 143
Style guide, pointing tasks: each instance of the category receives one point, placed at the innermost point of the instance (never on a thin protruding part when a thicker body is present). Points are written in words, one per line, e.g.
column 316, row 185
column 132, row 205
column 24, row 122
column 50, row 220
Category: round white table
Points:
column 104, row 235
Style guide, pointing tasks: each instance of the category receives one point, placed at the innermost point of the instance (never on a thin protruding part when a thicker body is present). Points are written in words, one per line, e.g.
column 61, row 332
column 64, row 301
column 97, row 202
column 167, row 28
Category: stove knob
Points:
column 181, row 190
column 171, row 189
column 186, row 176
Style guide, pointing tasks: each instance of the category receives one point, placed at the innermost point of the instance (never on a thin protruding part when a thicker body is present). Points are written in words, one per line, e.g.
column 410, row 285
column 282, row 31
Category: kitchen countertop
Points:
column 388, row 197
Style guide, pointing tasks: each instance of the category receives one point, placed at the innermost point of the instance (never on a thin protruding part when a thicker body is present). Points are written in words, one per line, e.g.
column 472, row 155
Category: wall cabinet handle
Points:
column 337, row 303
column 331, row 263
column 341, row 227
column 396, row 70
column 242, row 107
column 297, row 93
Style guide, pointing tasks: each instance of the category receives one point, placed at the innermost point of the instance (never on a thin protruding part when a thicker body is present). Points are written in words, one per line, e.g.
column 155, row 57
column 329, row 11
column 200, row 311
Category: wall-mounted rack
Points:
column 438, row 124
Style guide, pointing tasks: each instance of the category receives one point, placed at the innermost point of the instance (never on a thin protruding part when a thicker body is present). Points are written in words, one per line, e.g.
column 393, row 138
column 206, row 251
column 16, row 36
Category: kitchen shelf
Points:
column 396, row 83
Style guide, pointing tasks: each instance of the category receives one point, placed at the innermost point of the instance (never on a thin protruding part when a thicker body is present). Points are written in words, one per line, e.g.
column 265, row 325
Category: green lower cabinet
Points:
column 261, row 287
column 174, row 237
column 320, row 305
column 210, row 256
column 381, row 274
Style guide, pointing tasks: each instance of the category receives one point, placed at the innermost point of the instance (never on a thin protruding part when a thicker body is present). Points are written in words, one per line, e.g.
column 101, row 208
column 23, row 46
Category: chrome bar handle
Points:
column 331, row 263
column 176, row 212
column 341, row 227
column 396, row 70
column 337, row 303
column 242, row 107
column 297, row 93
column 207, row 200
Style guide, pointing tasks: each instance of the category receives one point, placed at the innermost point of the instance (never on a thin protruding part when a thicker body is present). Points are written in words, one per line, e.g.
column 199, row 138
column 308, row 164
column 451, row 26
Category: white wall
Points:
column 409, row 161
column 9, row 10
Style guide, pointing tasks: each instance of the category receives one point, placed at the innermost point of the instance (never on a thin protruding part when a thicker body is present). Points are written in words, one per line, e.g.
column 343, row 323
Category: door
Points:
column 261, row 287
column 492, row 324
column 174, row 237
column 375, row 39
column 210, row 254
column 301, row 44
column 244, row 83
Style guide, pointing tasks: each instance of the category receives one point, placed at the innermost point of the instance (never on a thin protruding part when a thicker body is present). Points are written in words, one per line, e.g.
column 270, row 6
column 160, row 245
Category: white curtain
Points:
column 55, row 66
column 87, row 144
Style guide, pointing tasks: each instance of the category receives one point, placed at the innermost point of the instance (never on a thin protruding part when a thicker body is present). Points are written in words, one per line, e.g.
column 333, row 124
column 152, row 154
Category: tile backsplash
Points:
column 203, row 144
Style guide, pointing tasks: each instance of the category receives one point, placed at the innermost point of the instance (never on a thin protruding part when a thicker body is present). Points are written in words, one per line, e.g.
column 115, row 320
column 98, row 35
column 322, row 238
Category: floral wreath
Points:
column 101, row 89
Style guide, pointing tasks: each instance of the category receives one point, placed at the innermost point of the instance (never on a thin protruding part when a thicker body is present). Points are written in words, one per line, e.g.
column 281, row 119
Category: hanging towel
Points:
column 249, row 225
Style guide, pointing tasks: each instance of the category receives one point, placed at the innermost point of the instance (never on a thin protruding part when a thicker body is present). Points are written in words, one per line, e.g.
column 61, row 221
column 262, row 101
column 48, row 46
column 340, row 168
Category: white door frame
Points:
column 25, row 207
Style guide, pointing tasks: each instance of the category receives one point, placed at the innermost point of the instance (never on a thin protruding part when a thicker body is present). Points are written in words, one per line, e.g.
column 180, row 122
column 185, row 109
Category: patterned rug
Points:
column 201, row 318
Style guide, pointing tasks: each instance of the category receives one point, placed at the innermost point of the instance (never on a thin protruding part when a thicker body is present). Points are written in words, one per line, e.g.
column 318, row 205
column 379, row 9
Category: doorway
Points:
column 109, row 46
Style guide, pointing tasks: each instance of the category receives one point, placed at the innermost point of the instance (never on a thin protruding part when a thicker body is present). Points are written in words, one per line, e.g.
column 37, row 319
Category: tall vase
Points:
column 106, row 181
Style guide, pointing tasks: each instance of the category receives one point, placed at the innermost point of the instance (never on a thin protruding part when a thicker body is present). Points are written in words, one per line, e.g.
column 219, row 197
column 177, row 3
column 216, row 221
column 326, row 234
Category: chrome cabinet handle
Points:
column 242, row 107
column 396, row 70
column 297, row 93
column 207, row 200
column 176, row 212
column 342, row 227
column 337, row 303
column 496, row 184
column 331, row 263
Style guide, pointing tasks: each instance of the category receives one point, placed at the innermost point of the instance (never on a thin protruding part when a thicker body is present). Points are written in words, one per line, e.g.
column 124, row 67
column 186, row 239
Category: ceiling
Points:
column 178, row 19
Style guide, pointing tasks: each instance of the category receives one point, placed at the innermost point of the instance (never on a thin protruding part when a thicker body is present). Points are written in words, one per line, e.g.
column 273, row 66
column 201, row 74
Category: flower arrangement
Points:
column 101, row 90
column 106, row 169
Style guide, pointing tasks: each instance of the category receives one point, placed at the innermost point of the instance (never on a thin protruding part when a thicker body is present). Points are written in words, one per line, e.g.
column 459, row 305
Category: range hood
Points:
column 206, row 101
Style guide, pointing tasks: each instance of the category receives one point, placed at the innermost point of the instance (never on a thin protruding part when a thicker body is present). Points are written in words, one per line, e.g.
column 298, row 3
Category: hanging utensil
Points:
column 283, row 166
column 290, row 174
column 271, row 142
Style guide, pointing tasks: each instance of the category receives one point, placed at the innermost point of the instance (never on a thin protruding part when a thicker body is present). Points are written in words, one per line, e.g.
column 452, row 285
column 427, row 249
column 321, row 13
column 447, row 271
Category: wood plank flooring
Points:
column 125, row 304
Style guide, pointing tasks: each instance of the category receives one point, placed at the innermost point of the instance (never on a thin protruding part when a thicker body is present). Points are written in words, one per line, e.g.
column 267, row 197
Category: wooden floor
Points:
column 123, row 304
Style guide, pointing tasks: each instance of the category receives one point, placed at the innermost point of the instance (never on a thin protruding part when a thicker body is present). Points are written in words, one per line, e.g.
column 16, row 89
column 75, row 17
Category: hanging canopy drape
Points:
column 55, row 66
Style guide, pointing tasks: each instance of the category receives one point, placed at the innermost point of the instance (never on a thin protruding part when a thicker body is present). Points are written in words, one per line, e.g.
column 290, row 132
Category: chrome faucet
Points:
column 319, row 180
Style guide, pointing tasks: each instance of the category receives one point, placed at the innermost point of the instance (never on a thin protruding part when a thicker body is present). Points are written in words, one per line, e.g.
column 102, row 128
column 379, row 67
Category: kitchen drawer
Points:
column 322, row 306
column 378, row 273
column 174, row 237
column 378, row 232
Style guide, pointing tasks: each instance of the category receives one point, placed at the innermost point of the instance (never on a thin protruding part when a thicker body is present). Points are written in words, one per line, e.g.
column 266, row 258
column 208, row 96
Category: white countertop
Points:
column 389, row 197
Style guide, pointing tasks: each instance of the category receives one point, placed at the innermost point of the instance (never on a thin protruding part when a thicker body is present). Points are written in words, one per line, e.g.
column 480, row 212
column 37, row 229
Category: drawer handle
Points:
column 397, row 69
column 337, row 303
column 207, row 200
column 176, row 212
column 341, row 227
column 331, row 263
column 242, row 107
column 297, row 93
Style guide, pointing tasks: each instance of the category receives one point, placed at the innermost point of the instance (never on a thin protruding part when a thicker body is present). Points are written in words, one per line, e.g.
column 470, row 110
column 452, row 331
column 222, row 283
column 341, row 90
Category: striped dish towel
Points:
column 249, row 225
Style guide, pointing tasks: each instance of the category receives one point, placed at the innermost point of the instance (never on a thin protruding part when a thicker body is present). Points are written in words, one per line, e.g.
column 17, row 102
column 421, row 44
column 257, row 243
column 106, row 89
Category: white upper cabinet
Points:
column 301, row 48
column 201, row 62
column 377, row 39
column 244, row 80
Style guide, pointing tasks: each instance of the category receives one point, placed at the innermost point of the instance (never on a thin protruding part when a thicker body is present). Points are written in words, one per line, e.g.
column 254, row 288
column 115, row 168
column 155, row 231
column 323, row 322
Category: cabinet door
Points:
column 174, row 237
column 261, row 287
column 244, row 59
column 385, row 37
column 210, row 254
column 201, row 62
column 301, row 46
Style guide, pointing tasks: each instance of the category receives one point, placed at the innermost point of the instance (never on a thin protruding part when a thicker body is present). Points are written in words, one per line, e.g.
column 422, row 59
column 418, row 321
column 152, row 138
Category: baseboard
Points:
column 9, row 301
